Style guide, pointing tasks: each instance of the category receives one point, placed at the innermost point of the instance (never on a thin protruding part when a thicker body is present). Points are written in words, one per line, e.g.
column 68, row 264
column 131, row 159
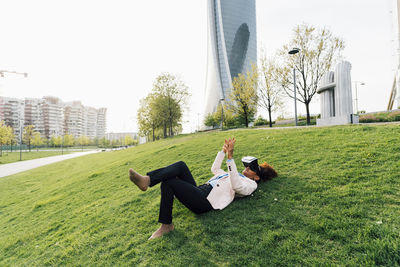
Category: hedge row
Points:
column 381, row 117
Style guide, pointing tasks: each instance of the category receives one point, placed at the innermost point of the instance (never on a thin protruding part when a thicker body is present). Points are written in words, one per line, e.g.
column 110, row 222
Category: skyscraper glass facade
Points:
column 232, row 46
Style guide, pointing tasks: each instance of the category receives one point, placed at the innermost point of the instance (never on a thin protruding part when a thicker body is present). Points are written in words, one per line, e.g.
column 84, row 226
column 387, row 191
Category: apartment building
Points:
column 91, row 122
column 12, row 113
column 34, row 114
column 51, row 116
column 101, row 122
column 74, row 119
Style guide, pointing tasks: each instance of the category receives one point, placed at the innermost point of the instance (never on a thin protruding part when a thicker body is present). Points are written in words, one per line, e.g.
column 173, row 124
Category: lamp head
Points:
column 294, row 50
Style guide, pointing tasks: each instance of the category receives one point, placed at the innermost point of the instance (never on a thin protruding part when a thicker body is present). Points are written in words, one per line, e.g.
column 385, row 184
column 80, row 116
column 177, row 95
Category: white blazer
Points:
column 230, row 186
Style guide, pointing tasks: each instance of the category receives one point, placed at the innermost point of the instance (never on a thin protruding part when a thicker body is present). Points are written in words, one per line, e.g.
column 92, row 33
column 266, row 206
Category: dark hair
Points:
column 267, row 172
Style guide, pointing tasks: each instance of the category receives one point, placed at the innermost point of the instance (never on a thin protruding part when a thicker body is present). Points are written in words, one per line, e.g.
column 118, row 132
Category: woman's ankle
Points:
column 167, row 226
column 148, row 181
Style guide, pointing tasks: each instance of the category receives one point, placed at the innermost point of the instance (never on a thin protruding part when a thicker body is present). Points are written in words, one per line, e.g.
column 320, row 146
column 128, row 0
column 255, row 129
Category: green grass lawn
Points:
column 336, row 202
column 9, row 157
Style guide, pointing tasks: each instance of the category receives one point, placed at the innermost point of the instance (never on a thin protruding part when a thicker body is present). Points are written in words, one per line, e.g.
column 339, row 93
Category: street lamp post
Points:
column 293, row 52
column 20, row 121
column 222, row 113
column 198, row 121
column 20, row 140
column 356, row 99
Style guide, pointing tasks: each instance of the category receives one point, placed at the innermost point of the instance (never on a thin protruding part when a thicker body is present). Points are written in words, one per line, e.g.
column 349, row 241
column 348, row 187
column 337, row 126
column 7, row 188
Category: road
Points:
column 21, row 166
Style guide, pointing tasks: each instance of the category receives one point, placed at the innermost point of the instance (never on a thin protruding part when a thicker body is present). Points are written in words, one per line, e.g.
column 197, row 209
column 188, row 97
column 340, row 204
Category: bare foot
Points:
column 164, row 228
column 142, row 182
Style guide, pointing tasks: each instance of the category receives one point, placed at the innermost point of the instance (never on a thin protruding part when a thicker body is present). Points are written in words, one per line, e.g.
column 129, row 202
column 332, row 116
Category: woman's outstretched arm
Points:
column 242, row 186
column 216, row 167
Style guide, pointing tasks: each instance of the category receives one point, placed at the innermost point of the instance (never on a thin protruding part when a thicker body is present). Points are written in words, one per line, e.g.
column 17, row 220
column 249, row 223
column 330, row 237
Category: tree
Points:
column 37, row 140
column 243, row 98
column 83, row 141
column 12, row 138
column 162, row 110
column 2, row 137
column 6, row 136
column 319, row 50
column 229, row 119
column 210, row 120
column 27, row 135
column 104, row 142
column 269, row 93
column 129, row 140
column 115, row 143
column 56, row 140
column 148, row 117
column 224, row 114
column 69, row 140
column 94, row 141
column 171, row 95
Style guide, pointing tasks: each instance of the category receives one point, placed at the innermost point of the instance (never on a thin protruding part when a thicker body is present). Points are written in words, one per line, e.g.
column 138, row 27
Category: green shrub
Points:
column 260, row 121
column 380, row 117
column 395, row 116
column 211, row 121
column 312, row 117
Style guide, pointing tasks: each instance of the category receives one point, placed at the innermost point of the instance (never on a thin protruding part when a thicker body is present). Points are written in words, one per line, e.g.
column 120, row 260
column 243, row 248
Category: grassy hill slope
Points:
column 336, row 201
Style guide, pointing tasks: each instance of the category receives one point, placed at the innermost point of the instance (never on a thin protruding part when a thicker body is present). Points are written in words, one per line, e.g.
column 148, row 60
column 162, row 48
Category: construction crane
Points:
column 14, row 72
column 392, row 94
column 396, row 77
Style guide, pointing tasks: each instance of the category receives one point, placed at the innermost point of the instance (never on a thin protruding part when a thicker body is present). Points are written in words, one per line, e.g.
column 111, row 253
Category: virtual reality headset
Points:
column 252, row 163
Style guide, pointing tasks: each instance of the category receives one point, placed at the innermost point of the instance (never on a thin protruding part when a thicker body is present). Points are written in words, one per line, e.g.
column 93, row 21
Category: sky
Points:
column 108, row 53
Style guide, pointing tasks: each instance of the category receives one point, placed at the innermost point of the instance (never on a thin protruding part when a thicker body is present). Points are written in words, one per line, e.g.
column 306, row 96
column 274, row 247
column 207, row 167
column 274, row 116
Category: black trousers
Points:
column 176, row 180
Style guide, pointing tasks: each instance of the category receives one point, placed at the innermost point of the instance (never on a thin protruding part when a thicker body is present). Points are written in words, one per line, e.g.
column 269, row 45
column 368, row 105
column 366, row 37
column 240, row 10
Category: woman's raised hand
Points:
column 230, row 145
column 225, row 147
column 232, row 142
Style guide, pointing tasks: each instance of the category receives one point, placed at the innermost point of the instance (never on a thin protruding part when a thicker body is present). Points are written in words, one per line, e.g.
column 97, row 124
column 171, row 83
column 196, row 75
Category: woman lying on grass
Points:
column 176, row 180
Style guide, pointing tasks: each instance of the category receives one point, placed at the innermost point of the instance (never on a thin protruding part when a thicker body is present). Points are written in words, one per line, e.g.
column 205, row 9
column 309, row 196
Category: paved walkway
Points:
column 21, row 166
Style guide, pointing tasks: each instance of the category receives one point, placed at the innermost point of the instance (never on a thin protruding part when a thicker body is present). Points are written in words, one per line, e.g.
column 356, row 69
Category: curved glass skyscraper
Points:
column 232, row 46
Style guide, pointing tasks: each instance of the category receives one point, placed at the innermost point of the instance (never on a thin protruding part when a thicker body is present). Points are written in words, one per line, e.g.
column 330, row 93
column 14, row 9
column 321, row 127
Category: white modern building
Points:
column 336, row 97
column 232, row 46
column 120, row 136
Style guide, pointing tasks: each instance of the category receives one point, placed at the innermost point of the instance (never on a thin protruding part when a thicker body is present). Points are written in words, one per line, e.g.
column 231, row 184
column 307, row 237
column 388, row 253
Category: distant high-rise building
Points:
column 91, row 122
column 53, row 116
column 74, row 119
column 101, row 122
column 84, row 121
column 34, row 114
column 12, row 113
column 232, row 46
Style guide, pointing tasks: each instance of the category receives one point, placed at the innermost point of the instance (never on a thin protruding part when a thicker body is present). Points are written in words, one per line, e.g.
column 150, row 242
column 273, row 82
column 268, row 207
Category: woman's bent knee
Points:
column 181, row 164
